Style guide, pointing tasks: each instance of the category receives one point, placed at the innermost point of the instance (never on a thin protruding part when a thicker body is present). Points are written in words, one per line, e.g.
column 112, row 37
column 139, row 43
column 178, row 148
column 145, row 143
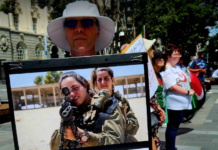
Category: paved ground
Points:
column 200, row 134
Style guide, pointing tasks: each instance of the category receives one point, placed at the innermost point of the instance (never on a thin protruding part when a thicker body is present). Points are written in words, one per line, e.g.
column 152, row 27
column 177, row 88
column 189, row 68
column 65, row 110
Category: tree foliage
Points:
column 38, row 80
column 50, row 77
column 181, row 22
column 212, row 50
column 43, row 3
column 8, row 6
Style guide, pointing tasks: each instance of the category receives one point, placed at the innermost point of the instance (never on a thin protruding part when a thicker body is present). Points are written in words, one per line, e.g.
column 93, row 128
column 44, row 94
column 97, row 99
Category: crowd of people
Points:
column 82, row 31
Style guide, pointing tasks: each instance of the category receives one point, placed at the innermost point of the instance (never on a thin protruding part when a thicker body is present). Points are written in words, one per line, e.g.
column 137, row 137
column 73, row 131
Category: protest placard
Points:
column 135, row 46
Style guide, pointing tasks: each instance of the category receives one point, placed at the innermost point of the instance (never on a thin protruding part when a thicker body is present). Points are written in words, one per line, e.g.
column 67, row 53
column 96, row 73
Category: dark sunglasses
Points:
column 73, row 23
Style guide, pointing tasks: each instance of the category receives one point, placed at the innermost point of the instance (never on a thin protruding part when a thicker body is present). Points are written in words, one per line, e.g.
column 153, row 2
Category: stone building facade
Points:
column 22, row 34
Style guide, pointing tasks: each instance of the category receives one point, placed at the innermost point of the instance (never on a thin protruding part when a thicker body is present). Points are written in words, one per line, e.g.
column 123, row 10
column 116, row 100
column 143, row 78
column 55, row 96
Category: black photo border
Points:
column 81, row 63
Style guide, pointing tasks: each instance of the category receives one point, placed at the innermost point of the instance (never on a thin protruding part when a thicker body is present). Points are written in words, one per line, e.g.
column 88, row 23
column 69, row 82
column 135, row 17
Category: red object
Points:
column 196, row 85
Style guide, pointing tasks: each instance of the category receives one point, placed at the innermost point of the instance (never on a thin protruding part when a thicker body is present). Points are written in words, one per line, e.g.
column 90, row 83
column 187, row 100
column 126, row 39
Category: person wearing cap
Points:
column 81, row 30
column 199, row 66
column 159, row 65
column 178, row 94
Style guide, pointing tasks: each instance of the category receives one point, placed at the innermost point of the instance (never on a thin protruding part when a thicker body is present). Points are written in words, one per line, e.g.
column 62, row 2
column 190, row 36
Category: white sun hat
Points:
column 148, row 43
column 56, row 30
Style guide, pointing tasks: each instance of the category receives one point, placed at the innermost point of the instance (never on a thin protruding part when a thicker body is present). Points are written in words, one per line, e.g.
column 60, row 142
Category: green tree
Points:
column 181, row 22
column 211, row 49
column 38, row 80
column 52, row 77
column 8, row 6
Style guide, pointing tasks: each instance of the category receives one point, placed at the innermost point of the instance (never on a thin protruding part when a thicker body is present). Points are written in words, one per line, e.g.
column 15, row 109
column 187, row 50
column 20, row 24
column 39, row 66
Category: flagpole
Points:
column 45, row 45
column 45, row 38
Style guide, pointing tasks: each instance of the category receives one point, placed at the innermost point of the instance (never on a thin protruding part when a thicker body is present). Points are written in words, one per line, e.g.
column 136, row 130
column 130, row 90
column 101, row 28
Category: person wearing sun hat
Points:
column 81, row 30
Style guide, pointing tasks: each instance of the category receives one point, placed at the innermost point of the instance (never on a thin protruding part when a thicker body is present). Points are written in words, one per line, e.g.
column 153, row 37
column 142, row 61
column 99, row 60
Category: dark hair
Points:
column 79, row 78
column 97, row 22
column 165, row 62
column 170, row 48
column 94, row 77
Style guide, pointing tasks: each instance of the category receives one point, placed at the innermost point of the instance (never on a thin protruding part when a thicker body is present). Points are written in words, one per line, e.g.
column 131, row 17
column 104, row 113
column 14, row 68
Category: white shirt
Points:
column 172, row 76
column 215, row 73
column 183, row 68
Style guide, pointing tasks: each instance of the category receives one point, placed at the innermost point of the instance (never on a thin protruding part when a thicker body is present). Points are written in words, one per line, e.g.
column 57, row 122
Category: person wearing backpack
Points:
column 103, row 78
column 199, row 66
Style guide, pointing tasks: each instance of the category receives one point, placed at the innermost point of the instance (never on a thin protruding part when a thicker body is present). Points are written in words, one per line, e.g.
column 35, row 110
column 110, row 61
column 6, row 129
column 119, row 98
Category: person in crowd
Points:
column 81, row 30
column 155, row 107
column 103, row 78
column 178, row 95
column 90, row 132
column 199, row 66
column 181, row 65
column 159, row 65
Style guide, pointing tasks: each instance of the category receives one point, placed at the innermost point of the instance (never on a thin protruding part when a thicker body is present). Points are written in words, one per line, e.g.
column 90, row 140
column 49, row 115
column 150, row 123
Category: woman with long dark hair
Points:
column 103, row 78
column 109, row 130
column 157, row 102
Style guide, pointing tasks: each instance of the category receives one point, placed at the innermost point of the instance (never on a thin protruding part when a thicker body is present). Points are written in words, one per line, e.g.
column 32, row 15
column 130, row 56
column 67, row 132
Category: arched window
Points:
column 54, row 52
column 39, row 51
column 21, row 50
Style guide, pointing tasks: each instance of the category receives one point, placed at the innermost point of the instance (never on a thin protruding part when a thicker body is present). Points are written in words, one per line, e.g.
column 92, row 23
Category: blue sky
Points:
column 27, row 79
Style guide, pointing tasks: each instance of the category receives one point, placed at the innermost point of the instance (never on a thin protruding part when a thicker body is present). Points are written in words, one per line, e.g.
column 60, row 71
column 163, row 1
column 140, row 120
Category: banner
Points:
column 138, row 46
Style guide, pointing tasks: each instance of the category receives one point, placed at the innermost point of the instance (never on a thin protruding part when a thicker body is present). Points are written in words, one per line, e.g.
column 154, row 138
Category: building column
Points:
column 11, row 21
column 25, row 100
column 136, row 89
column 54, row 96
column 127, row 88
column 39, row 95
column 26, row 23
column 141, row 86
column 123, row 90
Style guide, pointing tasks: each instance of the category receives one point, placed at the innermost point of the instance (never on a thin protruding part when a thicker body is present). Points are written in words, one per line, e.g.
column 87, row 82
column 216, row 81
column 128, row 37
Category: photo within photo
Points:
column 38, row 98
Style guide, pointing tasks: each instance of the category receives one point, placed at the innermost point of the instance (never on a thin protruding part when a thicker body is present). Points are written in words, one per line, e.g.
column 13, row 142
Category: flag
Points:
column 143, row 32
column 199, row 98
column 45, row 38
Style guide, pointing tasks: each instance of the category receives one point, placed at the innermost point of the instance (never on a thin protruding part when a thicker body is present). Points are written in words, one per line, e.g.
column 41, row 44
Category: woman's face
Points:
column 104, row 81
column 174, row 58
column 159, row 61
column 77, row 91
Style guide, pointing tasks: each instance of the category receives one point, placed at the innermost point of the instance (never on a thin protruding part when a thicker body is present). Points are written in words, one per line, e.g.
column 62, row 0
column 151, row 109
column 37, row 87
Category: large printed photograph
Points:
column 91, row 93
